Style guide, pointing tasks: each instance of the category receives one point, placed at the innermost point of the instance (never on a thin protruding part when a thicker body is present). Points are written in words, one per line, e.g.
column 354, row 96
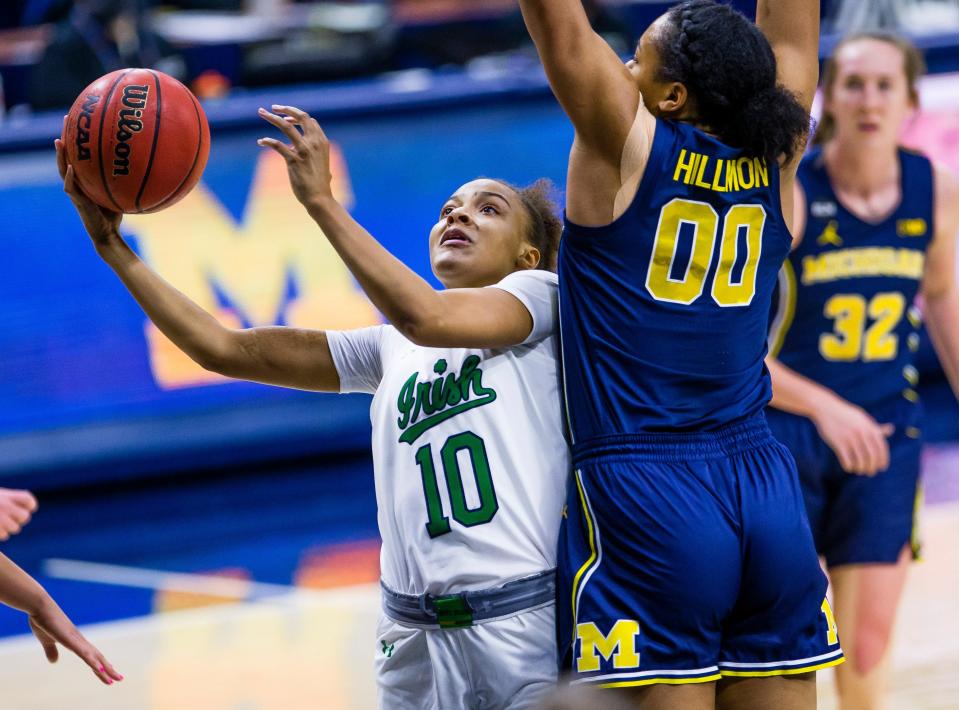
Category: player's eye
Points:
column 854, row 83
column 446, row 211
column 487, row 209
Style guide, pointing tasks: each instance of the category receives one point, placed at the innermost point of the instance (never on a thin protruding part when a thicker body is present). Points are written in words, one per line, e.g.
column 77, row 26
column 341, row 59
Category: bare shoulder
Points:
column 946, row 195
column 946, row 183
column 600, row 189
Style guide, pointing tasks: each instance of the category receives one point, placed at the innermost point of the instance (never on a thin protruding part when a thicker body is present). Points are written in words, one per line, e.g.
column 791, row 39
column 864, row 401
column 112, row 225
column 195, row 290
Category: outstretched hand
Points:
column 16, row 509
column 51, row 626
column 101, row 224
column 307, row 155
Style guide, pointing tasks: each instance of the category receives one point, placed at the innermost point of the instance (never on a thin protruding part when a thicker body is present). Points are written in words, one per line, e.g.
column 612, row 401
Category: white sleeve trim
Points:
column 357, row 357
column 539, row 291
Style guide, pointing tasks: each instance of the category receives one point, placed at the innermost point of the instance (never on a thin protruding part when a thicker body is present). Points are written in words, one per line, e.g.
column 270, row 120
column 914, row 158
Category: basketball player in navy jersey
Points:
column 845, row 335
column 688, row 567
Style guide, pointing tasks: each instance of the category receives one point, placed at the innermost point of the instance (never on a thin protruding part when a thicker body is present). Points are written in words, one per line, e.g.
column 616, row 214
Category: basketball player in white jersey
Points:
column 470, row 458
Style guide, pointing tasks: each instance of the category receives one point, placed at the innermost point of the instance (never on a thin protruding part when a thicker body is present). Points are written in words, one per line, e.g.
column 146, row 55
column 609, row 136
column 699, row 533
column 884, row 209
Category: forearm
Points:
column 796, row 394
column 406, row 299
column 792, row 21
column 189, row 327
column 792, row 29
column 549, row 21
column 19, row 590
column 942, row 322
column 588, row 79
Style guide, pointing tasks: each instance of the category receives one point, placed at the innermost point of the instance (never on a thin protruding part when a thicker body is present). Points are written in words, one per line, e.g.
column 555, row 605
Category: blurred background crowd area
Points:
column 51, row 49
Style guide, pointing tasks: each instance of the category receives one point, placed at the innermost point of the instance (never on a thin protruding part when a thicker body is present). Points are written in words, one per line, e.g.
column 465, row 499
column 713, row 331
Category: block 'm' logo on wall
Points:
column 274, row 268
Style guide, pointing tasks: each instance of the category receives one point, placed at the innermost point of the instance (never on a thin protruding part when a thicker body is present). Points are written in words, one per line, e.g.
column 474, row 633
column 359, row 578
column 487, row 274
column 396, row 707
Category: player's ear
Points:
column 529, row 258
column 675, row 99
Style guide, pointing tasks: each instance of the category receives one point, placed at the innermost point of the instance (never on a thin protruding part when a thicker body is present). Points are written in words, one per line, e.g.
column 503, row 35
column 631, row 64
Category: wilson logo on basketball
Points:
column 83, row 126
column 128, row 125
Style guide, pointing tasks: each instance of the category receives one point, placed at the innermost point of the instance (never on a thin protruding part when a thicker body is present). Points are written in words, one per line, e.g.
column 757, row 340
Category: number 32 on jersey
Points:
column 729, row 289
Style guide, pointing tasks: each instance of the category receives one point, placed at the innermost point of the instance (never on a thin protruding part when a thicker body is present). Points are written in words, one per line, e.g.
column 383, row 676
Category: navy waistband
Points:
column 677, row 446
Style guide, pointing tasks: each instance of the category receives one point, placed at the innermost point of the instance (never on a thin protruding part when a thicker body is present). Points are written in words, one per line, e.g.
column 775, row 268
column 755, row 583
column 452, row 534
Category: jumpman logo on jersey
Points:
column 388, row 650
column 830, row 235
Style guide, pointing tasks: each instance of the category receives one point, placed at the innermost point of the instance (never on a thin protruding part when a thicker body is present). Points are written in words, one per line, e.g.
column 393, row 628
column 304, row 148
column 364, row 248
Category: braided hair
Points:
column 729, row 70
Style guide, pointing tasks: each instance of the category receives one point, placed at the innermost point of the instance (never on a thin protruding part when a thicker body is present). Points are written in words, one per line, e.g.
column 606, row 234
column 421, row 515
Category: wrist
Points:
column 108, row 243
column 38, row 602
column 821, row 404
column 321, row 205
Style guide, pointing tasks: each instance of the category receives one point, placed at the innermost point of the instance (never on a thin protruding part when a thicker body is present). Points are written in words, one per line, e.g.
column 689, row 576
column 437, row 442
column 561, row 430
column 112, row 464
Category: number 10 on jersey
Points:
column 438, row 522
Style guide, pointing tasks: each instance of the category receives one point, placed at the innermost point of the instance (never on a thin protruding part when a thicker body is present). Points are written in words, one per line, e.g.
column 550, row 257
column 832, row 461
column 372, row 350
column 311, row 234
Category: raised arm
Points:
column 591, row 83
column 287, row 357
column 467, row 318
column 792, row 28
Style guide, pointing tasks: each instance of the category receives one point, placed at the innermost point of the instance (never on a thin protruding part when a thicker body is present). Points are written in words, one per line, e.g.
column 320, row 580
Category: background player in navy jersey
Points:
column 874, row 226
column 686, row 558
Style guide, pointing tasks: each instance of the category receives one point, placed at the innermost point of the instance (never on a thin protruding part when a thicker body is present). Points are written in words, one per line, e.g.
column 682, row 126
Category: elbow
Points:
column 421, row 330
column 211, row 361
column 219, row 357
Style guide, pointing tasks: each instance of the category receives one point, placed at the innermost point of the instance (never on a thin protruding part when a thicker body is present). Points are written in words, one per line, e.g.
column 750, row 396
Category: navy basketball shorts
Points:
column 855, row 519
column 687, row 557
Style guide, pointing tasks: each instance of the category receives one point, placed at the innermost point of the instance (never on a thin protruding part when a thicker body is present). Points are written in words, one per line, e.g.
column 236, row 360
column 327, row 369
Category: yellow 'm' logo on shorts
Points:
column 619, row 644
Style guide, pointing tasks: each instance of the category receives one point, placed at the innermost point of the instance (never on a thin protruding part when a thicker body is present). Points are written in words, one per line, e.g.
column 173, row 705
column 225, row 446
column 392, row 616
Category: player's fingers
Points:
column 25, row 499
column 69, row 183
column 842, row 453
column 857, row 460
column 46, row 640
column 279, row 146
column 888, row 429
column 99, row 665
column 870, row 452
column 285, row 126
column 9, row 524
column 20, row 515
column 107, row 668
column 61, row 157
column 882, row 451
column 298, row 115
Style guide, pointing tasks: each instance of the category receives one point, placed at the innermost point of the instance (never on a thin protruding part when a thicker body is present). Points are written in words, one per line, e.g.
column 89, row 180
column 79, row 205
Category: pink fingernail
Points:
column 102, row 669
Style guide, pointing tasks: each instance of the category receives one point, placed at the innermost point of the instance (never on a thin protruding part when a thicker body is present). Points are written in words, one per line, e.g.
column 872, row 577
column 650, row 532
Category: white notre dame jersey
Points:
column 469, row 453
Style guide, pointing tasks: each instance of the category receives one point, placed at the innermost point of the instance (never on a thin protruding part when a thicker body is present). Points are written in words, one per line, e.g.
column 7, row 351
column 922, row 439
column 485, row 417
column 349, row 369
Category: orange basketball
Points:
column 138, row 140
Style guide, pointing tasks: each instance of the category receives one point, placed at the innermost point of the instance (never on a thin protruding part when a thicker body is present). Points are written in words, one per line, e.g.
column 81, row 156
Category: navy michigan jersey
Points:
column 664, row 313
column 664, row 317
column 855, row 329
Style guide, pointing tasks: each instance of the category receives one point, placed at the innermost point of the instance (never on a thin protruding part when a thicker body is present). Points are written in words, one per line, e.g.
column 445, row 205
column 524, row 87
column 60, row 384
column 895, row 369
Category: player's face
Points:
column 480, row 235
column 645, row 69
column 870, row 97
